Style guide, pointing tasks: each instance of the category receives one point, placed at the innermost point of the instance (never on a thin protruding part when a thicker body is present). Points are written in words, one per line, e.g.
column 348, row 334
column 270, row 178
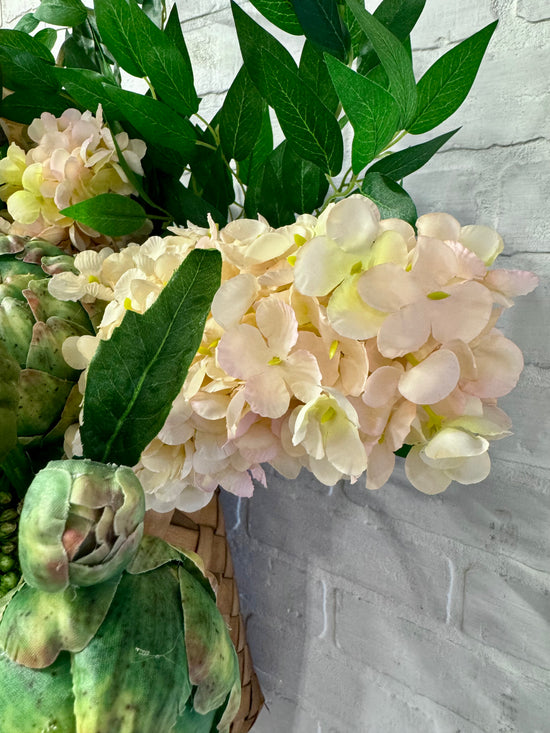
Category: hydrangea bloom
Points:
column 332, row 343
column 73, row 158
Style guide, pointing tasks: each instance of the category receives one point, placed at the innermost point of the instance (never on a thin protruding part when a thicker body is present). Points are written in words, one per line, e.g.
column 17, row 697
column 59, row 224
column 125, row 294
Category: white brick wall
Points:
column 394, row 612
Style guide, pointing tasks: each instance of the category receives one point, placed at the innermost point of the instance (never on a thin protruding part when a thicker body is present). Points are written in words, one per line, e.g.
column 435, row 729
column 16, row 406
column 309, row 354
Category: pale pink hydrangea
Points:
column 332, row 343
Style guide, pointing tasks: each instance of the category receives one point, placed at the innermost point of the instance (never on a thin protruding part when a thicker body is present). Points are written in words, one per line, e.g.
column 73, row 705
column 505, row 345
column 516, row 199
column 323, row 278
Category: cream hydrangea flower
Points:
column 73, row 159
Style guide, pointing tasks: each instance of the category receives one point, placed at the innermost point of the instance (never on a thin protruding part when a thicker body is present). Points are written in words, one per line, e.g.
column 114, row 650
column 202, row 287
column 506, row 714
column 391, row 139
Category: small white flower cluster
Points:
column 332, row 343
column 73, row 158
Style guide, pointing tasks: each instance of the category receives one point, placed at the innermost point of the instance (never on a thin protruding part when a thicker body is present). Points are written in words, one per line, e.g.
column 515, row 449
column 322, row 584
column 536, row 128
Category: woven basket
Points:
column 203, row 532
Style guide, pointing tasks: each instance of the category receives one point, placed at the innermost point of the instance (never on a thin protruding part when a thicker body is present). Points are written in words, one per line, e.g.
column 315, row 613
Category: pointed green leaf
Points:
column 61, row 12
column 186, row 207
column 117, row 29
column 262, row 148
column 23, row 71
column 27, row 23
column 169, row 71
column 446, row 84
column 266, row 191
column 307, row 124
column 135, row 376
column 240, row 117
column 133, row 673
column 175, row 34
column 305, row 185
column 47, row 36
column 394, row 59
column 404, row 162
column 36, row 626
column 24, row 107
column 399, row 17
column 109, row 213
column 281, row 13
column 372, row 111
column 323, row 26
column 392, row 200
column 87, row 88
column 154, row 120
column 36, row 699
column 314, row 72
column 17, row 40
column 211, row 177
column 211, row 656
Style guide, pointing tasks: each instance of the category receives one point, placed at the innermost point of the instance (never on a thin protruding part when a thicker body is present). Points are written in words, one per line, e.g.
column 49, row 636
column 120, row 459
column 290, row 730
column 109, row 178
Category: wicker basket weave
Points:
column 203, row 532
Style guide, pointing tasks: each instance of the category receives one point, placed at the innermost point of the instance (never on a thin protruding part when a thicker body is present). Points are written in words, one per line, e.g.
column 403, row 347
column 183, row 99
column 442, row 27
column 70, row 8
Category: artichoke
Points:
column 9, row 516
column 142, row 650
column 33, row 326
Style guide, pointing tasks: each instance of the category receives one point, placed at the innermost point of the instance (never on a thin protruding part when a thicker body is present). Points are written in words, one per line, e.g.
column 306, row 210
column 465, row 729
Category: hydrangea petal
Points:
column 24, row 207
column 242, row 352
column 381, row 385
column 463, row 315
column 380, row 465
column 452, row 443
column 267, row 393
column 349, row 315
column 471, row 471
column 499, row 363
column 404, row 332
column 233, row 299
column 422, row 477
column 320, row 266
column 438, row 225
column 277, row 322
column 431, row 380
column 388, row 287
column 483, row 241
column 353, row 223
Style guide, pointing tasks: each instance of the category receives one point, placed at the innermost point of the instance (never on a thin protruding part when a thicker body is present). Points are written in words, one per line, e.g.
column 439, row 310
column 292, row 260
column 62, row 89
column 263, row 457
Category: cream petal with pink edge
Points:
column 267, row 393
column 472, row 470
column 349, row 315
column 381, row 386
column 434, row 263
column 242, row 352
column 463, row 315
column 388, row 287
column 388, row 247
column 438, row 225
column 453, row 443
column 353, row 224
column 233, row 298
column 267, row 247
column 431, row 380
column 400, row 226
column 191, row 499
column 399, row 424
column 277, row 322
column 405, row 331
column 511, row 282
column 483, row 241
column 424, row 478
column 320, row 266
column 343, row 446
column 469, row 266
column 324, row 471
column 380, row 465
column 302, row 375
column 499, row 364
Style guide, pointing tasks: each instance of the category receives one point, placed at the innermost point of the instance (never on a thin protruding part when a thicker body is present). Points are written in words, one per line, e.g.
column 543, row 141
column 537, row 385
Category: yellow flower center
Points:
column 128, row 304
column 328, row 414
column 274, row 361
column 291, row 259
column 357, row 268
column 438, row 295
column 333, row 349
column 299, row 240
column 93, row 279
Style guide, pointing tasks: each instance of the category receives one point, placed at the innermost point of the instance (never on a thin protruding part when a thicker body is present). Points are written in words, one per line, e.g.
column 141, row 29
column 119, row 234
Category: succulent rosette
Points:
column 105, row 633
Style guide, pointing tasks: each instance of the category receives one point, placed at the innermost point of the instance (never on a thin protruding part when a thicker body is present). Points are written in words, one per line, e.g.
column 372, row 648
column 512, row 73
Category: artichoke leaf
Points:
column 37, row 626
column 45, row 349
column 132, row 677
column 44, row 305
column 36, row 700
column 154, row 552
column 213, row 663
column 189, row 721
column 37, row 416
column 9, row 399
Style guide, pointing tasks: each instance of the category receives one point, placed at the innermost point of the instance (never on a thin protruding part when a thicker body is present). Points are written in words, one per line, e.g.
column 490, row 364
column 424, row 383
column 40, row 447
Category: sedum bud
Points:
column 81, row 524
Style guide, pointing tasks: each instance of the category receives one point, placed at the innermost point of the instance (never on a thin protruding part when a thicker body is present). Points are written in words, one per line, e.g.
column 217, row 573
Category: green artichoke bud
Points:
column 9, row 518
column 142, row 652
column 35, row 380
column 81, row 524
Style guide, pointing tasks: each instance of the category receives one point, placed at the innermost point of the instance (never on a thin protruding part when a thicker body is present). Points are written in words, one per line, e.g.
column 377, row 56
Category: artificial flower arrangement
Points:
column 183, row 301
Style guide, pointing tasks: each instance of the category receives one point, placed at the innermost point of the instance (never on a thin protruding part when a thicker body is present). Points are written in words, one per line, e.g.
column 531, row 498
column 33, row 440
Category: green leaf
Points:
column 308, row 125
column 394, row 59
column 154, row 120
column 372, row 111
column 186, row 207
column 399, row 17
column 61, row 12
column 19, row 41
column 82, row 50
column 115, row 23
column 87, row 88
column 23, row 71
column 404, row 162
column 24, row 107
column 240, row 117
column 314, row 72
column 446, row 84
column 323, row 26
column 27, row 23
column 262, row 148
column 135, row 376
column 133, row 673
column 281, row 13
column 392, row 200
column 109, row 213
column 266, row 193
column 304, row 184
column 47, row 36
column 169, row 70
column 175, row 34
column 211, row 178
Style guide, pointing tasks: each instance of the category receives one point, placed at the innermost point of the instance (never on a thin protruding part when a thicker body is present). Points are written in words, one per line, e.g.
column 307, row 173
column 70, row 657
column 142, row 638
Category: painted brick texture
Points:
column 395, row 612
